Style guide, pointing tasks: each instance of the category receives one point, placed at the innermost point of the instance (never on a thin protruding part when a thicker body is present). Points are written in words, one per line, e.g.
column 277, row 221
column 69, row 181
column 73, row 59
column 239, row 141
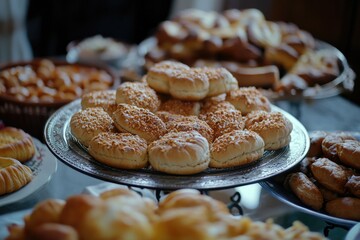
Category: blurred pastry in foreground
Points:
column 236, row 148
column 119, row 150
column 89, row 122
column 273, row 127
column 180, row 153
column 13, row 175
column 15, row 143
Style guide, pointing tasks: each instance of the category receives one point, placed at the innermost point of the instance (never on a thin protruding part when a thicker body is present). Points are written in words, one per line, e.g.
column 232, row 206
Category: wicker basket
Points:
column 30, row 116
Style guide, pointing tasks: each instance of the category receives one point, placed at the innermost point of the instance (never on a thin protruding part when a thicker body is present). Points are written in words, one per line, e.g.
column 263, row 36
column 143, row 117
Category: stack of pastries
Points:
column 329, row 178
column 258, row 52
column 124, row 214
column 180, row 120
column 16, row 147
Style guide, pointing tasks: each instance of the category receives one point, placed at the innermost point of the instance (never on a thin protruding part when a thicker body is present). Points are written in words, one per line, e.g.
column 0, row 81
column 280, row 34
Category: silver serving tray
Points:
column 278, row 191
column 65, row 147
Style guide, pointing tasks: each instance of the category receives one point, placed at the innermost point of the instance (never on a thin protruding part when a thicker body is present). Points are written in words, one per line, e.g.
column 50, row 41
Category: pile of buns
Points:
column 329, row 178
column 45, row 81
column 16, row 147
column 258, row 52
column 124, row 214
column 168, row 123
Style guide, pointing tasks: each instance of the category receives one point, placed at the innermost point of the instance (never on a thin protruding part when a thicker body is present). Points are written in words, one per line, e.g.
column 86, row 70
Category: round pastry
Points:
column 347, row 207
column 189, row 124
column 119, row 150
column 158, row 75
column 89, row 122
column 139, row 121
column 264, row 33
column 226, row 106
column 224, row 121
column 349, row 153
column 13, row 175
column 353, row 185
column 273, row 127
column 101, row 98
column 331, row 142
column 248, row 99
column 15, row 143
column 180, row 153
column 186, row 108
column 190, row 85
column 236, row 148
column 138, row 94
column 305, row 190
column 168, row 117
column 220, row 80
column 330, row 175
column 316, row 139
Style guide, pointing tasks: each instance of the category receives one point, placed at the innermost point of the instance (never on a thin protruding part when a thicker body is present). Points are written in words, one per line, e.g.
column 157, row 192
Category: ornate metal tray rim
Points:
column 65, row 148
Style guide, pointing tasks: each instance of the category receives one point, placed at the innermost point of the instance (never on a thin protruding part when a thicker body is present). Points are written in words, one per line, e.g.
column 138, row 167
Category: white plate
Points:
column 43, row 165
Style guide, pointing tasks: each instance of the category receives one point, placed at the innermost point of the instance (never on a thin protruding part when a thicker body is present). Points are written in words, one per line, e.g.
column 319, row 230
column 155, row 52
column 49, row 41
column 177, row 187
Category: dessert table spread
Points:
column 335, row 113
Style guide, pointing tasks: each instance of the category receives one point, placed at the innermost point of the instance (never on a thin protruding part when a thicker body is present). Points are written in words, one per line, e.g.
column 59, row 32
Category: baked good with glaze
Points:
column 224, row 121
column 101, row 98
column 248, row 99
column 236, row 148
column 13, row 175
column 176, row 106
column 191, row 124
column 180, row 153
column 139, row 121
column 353, row 185
column 316, row 138
column 349, row 153
column 119, row 150
column 88, row 123
column 15, row 143
column 138, row 94
column 282, row 55
column 330, row 175
column 331, row 142
column 273, row 127
column 346, row 207
column 305, row 190
column 264, row 34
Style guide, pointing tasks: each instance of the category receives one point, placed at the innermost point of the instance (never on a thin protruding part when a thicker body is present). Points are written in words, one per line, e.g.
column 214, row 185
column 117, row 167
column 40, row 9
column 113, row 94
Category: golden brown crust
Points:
column 349, row 153
column 138, row 94
column 15, row 143
column 248, row 99
column 330, row 143
column 54, row 231
column 305, row 190
column 101, row 98
column 330, row 175
column 180, row 153
column 353, row 185
column 13, row 175
column 139, row 121
column 168, row 117
column 273, row 127
column 347, row 207
column 316, row 138
column 186, row 108
column 220, row 81
column 89, row 122
column 224, row 121
column 236, row 148
column 119, row 150
column 181, row 125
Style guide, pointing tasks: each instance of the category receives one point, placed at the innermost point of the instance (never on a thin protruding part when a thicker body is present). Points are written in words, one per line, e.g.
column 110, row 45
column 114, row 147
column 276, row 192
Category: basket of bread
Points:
column 31, row 91
column 124, row 214
column 277, row 56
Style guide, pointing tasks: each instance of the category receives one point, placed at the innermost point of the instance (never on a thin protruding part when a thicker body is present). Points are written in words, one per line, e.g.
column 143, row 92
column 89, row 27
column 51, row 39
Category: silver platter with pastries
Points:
column 61, row 142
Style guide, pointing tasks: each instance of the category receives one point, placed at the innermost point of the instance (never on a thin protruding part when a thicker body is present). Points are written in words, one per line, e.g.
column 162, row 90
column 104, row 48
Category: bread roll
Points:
column 139, row 121
column 119, row 150
column 346, row 207
column 101, row 98
column 138, row 94
column 273, row 127
column 186, row 108
column 13, row 175
column 15, row 143
column 180, row 153
column 248, row 99
column 236, row 148
column 220, row 80
column 89, row 122
column 305, row 190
